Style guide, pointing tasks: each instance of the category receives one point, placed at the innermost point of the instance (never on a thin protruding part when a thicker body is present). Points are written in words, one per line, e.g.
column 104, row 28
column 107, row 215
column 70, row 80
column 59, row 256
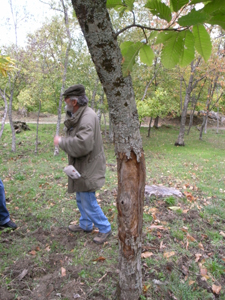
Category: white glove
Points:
column 72, row 172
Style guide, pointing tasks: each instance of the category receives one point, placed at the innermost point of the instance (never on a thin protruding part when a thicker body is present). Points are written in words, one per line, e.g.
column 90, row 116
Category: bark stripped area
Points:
column 131, row 175
column 105, row 52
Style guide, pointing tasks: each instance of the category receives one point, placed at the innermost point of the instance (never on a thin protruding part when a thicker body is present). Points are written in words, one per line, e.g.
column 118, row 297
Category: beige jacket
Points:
column 83, row 144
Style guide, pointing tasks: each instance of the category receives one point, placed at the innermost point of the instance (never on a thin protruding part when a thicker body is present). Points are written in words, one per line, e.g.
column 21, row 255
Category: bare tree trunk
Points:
column 36, row 143
column 149, row 126
column 11, row 121
column 110, row 130
column 206, row 123
column 94, row 94
column 56, row 151
column 189, row 89
column 217, row 126
column 5, row 113
column 105, row 52
column 156, row 122
column 181, row 100
column 203, row 125
column 194, row 102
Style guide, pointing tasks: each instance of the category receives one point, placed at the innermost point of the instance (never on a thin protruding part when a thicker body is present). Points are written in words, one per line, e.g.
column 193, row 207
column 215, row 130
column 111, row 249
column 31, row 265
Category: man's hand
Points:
column 57, row 140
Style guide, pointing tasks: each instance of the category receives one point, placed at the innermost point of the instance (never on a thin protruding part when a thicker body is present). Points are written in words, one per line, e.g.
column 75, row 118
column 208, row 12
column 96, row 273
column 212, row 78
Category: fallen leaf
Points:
column 33, row 252
column 223, row 259
column 146, row 254
column 100, row 258
column 157, row 227
column 23, row 274
column 174, row 207
column 63, row 272
column 216, row 289
column 222, row 233
column 187, row 245
column 190, row 238
column 201, row 246
column 185, row 229
column 198, row 256
column 145, row 288
column 37, row 248
column 161, row 245
column 48, row 248
column 203, row 271
column 168, row 254
column 191, row 282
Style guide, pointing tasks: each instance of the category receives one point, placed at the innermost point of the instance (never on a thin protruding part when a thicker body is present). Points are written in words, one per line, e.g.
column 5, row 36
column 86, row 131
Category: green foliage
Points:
column 202, row 41
column 159, row 9
column 178, row 43
column 158, row 105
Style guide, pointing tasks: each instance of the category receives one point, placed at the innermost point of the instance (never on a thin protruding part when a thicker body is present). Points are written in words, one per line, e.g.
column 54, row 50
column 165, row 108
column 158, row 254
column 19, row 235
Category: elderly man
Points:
column 5, row 221
column 83, row 144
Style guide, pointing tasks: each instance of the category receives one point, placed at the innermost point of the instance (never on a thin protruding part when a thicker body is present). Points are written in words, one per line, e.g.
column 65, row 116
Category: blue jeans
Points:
column 91, row 212
column 4, row 214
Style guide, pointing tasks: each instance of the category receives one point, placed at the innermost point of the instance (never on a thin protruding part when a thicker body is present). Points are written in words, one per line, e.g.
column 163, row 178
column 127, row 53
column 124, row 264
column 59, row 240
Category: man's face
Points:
column 69, row 105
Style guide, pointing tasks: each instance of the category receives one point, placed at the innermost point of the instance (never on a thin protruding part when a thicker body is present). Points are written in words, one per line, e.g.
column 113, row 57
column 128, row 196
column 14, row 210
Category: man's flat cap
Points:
column 74, row 90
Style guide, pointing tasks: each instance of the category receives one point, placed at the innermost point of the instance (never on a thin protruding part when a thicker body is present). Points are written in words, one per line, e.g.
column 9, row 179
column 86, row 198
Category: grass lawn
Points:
column 183, row 239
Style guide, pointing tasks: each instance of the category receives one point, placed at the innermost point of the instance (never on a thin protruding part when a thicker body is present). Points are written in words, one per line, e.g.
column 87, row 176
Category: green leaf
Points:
column 202, row 41
column 217, row 20
column 146, row 55
column 153, row 34
column 193, row 18
column 215, row 7
column 177, row 4
column 199, row 1
column 172, row 50
column 129, row 52
column 164, row 36
column 188, row 51
column 113, row 3
column 129, row 4
column 125, row 46
column 159, row 9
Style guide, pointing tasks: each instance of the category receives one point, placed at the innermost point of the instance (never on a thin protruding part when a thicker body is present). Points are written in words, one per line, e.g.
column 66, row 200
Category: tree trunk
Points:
column 194, row 102
column 36, row 143
column 156, row 122
column 105, row 52
column 149, row 126
column 110, row 130
column 94, row 94
column 56, row 151
column 203, row 125
column 217, row 126
column 206, row 123
column 180, row 140
column 11, row 121
column 5, row 113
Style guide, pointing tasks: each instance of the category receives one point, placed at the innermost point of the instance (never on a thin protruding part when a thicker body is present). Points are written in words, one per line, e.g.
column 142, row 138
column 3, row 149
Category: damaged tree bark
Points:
column 105, row 52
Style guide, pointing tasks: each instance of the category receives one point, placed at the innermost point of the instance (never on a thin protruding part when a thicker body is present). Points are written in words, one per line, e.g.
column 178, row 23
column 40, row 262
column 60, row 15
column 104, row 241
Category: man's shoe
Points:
column 77, row 228
column 9, row 224
column 102, row 237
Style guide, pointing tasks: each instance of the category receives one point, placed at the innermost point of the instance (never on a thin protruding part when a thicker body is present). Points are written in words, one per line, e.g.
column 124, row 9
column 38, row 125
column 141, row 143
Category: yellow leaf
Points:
column 146, row 254
column 168, row 254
